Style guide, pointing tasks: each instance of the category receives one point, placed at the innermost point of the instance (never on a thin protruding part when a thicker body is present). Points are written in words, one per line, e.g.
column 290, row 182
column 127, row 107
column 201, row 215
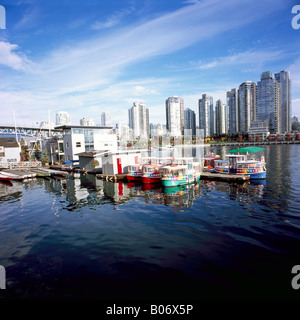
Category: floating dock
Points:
column 224, row 177
column 112, row 177
column 21, row 174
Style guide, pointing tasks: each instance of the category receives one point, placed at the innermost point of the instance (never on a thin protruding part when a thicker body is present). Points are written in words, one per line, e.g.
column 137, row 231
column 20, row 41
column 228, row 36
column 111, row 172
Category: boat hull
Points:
column 181, row 182
column 151, row 179
column 134, row 178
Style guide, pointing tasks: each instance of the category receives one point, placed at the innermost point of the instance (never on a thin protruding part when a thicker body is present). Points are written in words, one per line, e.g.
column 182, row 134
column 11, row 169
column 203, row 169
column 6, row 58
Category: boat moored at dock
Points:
column 182, row 171
column 152, row 173
column 238, row 163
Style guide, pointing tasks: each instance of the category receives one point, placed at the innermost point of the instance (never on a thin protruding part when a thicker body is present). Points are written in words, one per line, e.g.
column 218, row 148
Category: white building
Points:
column 206, row 115
column 63, row 118
column 138, row 116
column 175, row 115
column 105, row 119
column 117, row 162
column 9, row 150
column 79, row 139
column 220, row 118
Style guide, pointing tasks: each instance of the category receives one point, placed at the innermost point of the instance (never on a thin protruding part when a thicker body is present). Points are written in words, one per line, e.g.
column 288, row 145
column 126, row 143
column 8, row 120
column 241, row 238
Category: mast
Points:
column 15, row 124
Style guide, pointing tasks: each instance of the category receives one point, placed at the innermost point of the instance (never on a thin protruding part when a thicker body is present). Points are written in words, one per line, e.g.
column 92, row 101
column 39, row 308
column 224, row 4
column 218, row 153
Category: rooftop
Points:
column 9, row 142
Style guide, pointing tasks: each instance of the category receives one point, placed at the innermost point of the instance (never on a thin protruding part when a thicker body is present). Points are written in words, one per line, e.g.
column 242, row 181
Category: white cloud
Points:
column 11, row 57
column 252, row 59
column 86, row 75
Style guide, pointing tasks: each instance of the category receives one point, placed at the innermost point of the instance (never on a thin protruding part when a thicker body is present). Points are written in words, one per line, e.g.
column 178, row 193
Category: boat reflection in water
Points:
column 88, row 190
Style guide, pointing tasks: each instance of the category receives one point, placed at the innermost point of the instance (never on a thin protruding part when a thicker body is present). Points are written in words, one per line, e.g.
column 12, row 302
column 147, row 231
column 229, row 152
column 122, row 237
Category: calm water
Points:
column 88, row 238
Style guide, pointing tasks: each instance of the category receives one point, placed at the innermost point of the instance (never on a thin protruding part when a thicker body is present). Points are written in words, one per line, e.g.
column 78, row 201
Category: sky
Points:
column 87, row 57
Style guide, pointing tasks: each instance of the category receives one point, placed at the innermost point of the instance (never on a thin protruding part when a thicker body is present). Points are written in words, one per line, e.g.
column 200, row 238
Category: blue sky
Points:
column 86, row 57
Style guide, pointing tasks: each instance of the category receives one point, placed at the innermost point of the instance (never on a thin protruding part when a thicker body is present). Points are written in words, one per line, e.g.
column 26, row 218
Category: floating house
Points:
column 78, row 139
column 117, row 162
column 9, row 150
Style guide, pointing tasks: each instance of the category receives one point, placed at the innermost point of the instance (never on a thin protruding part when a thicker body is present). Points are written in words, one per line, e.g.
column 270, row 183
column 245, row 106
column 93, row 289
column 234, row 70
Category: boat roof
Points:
column 176, row 167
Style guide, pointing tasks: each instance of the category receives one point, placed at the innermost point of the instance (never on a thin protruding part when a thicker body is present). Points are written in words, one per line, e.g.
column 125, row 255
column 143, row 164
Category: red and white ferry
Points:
column 152, row 173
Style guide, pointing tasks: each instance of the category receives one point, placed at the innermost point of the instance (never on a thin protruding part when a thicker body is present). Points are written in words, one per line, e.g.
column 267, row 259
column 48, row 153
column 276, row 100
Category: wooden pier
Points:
column 22, row 174
column 224, row 177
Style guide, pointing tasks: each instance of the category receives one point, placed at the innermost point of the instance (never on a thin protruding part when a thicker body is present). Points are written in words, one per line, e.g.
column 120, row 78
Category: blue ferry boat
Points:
column 238, row 162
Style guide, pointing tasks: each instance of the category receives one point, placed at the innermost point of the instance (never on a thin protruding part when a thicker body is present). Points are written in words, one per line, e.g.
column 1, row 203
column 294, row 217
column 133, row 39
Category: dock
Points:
column 224, row 177
column 22, row 174
column 112, row 177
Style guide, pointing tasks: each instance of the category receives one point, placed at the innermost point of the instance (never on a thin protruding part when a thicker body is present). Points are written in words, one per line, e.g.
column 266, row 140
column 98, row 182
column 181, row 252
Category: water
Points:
column 92, row 239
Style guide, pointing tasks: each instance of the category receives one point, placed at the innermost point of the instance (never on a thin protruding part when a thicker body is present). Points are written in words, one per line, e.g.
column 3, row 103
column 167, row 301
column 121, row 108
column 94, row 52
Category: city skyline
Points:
column 89, row 58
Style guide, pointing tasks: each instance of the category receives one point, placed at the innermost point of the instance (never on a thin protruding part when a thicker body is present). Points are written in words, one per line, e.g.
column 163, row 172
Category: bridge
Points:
column 29, row 131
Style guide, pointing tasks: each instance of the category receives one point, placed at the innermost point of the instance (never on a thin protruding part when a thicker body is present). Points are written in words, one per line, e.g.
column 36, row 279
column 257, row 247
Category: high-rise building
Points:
column 246, row 105
column 190, row 121
column 175, row 115
column 220, row 118
column 87, row 122
column 206, row 115
column 284, row 81
column 63, row 118
column 105, row 119
column 233, row 111
column 139, row 120
column 268, row 101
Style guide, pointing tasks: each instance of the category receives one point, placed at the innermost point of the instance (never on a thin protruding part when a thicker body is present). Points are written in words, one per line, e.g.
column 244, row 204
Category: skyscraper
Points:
column 206, row 115
column 105, row 119
column 247, row 105
column 87, row 122
column 268, row 101
column 190, row 121
column 233, row 111
column 220, row 118
column 139, row 120
column 63, row 118
column 284, row 81
column 175, row 115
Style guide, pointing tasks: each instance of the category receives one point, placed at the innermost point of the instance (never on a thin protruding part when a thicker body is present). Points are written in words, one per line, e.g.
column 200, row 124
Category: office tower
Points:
column 63, row 118
column 233, row 111
column 206, row 115
column 87, row 122
column 284, row 81
column 105, row 119
column 139, row 120
column 190, row 121
column 220, row 118
column 246, row 105
column 175, row 115
column 268, row 101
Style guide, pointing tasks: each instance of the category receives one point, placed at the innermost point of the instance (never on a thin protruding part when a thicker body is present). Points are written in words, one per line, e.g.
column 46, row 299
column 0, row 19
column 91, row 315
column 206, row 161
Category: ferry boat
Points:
column 5, row 177
column 135, row 171
column 152, row 172
column 209, row 161
column 239, row 163
column 181, row 172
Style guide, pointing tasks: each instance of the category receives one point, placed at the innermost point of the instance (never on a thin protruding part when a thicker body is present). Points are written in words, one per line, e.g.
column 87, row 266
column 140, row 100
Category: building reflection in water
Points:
column 89, row 190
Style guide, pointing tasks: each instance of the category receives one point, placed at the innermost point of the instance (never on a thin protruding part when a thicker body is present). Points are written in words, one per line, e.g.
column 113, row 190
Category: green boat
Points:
column 181, row 172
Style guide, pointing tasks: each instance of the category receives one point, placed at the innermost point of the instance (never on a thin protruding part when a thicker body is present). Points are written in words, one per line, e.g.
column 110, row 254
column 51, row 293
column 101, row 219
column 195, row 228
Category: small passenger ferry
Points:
column 209, row 161
column 152, row 173
column 241, row 164
column 182, row 171
column 135, row 171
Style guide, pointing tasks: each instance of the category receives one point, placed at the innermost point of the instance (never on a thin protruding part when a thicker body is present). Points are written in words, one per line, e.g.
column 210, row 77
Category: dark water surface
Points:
column 88, row 238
